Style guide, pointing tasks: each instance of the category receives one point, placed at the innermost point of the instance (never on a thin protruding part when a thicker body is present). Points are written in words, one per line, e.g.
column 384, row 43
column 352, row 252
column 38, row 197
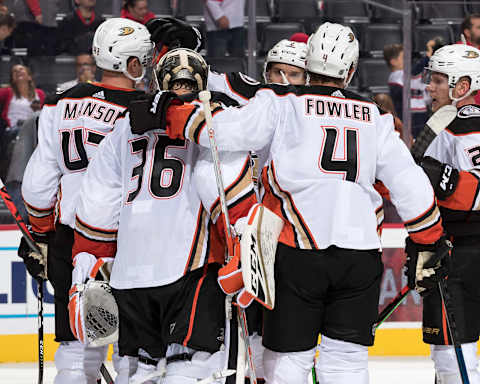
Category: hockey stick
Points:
column 392, row 306
column 204, row 97
column 34, row 247
column 452, row 331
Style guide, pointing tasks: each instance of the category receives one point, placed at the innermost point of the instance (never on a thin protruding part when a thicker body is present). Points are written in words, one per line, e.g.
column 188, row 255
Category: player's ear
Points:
column 462, row 87
column 134, row 67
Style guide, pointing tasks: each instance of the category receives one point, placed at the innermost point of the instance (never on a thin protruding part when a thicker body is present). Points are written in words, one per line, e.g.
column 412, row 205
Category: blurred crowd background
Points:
column 45, row 48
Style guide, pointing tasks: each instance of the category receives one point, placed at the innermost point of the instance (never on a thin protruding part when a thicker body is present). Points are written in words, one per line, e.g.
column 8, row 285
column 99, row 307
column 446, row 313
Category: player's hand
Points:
column 223, row 22
column 427, row 264
column 231, row 281
column 35, row 263
column 150, row 111
column 443, row 177
column 173, row 33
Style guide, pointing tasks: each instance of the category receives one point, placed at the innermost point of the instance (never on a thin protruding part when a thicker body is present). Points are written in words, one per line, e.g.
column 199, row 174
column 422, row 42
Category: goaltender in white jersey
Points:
column 327, row 146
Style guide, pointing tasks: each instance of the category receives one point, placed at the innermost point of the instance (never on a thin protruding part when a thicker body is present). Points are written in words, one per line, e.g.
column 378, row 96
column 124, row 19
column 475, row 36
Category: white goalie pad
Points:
column 257, row 249
column 98, row 313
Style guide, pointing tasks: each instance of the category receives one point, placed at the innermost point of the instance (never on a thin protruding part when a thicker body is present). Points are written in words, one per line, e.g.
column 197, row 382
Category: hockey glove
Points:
column 150, row 111
column 231, row 281
column 427, row 264
column 86, row 267
column 35, row 263
column 173, row 33
column 443, row 177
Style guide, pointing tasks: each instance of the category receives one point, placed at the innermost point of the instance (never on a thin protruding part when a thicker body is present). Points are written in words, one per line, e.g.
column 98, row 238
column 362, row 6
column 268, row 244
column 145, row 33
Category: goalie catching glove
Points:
column 36, row 263
column 92, row 308
column 427, row 264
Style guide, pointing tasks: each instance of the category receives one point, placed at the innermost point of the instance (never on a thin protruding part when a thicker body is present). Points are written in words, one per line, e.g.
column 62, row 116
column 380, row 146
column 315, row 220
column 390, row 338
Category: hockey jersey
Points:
column 327, row 148
column 71, row 126
column 141, row 202
column 459, row 146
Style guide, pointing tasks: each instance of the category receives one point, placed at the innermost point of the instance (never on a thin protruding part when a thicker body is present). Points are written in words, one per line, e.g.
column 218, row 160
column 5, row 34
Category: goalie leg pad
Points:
column 186, row 365
column 287, row 367
column 125, row 366
column 341, row 362
column 446, row 366
column 76, row 363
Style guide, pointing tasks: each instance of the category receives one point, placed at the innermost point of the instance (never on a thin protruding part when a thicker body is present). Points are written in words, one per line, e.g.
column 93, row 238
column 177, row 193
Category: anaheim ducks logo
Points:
column 471, row 54
column 351, row 37
column 124, row 31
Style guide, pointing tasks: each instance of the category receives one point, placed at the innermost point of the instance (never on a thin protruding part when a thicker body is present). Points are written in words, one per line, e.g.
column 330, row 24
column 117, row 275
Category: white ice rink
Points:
column 383, row 370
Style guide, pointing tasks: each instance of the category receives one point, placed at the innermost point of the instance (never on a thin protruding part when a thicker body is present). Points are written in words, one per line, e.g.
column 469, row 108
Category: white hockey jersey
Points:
column 71, row 126
column 327, row 148
column 142, row 203
column 459, row 146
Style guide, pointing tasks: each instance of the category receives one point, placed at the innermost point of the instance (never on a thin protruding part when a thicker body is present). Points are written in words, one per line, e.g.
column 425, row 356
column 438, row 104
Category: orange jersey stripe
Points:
column 464, row 196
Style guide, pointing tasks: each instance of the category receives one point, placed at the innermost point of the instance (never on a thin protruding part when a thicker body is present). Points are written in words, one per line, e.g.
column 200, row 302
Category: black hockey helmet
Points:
column 181, row 64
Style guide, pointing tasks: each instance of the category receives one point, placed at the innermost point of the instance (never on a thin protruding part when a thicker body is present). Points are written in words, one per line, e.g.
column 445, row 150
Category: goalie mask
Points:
column 96, row 313
column 181, row 65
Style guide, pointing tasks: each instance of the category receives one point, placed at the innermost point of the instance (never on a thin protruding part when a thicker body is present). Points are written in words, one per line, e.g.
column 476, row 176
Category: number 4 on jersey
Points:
column 329, row 161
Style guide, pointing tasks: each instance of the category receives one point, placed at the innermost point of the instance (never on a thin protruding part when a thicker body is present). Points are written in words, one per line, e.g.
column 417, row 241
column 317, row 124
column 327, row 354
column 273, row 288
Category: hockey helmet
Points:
column 332, row 50
column 286, row 52
column 118, row 39
column 456, row 61
column 181, row 64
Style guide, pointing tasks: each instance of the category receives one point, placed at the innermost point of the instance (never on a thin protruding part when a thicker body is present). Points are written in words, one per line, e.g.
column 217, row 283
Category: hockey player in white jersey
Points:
column 71, row 127
column 326, row 147
column 451, row 163
column 140, row 204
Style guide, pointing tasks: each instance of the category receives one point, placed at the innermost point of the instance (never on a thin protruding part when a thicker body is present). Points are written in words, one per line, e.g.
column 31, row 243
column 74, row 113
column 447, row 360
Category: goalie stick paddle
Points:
column 204, row 97
column 40, row 293
column 29, row 239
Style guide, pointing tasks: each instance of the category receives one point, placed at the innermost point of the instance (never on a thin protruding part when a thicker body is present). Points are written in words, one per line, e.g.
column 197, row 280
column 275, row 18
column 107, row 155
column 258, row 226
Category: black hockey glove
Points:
column 35, row 263
column 150, row 111
column 427, row 264
column 174, row 33
column 443, row 177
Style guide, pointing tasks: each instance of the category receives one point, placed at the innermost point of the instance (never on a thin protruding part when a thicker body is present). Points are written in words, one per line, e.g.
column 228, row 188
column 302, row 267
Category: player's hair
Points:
column 7, row 19
column 317, row 78
column 467, row 22
column 391, row 51
column 31, row 84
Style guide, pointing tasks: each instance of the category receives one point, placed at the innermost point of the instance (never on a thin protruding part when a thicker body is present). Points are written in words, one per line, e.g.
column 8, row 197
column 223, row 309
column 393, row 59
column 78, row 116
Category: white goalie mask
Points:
column 456, row 61
column 118, row 39
column 97, row 314
column 332, row 50
column 286, row 52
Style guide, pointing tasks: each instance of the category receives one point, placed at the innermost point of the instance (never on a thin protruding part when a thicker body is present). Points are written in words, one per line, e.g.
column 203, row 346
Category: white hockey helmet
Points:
column 332, row 50
column 286, row 52
column 118, row 39
column 457, row 61
column 181, row 64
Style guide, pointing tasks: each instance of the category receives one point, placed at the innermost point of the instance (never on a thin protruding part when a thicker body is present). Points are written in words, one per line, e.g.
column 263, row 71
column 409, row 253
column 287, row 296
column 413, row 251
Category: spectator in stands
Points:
column 77, row 29
column 393, row 55
column 21, row 99
column 471, row 30
column 7, row 25
column 85, row 68
column 37, row 25
column 3, row 7
column 137, row 10
column 225, row 32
